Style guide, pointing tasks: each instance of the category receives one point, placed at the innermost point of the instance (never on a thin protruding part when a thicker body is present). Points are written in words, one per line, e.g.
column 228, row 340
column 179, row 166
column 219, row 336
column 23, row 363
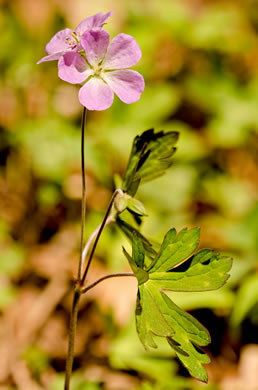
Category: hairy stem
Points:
column 83, row 208
column 85, row 289
column 99, row 234
column 91, row 238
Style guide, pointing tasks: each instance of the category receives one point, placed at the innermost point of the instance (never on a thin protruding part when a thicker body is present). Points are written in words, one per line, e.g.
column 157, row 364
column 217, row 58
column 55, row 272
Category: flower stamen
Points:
column 98, row 71
column 75, row 37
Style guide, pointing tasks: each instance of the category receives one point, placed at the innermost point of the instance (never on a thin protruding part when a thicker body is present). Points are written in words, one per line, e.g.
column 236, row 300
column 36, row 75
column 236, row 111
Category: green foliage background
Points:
column 200, row 64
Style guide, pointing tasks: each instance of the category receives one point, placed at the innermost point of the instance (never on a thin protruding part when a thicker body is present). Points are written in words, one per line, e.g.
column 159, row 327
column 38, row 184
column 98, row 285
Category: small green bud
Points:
column 136, row 206
column 121, row 202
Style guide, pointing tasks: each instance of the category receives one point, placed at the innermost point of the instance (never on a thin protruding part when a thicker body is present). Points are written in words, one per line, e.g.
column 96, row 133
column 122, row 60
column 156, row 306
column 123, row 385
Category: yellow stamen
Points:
column 75, row 37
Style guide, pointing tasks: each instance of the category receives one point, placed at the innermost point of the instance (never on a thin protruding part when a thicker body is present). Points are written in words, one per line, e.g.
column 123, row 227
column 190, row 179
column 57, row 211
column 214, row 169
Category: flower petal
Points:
column 95, row 43
column 127, row 84
column 73, row 68
column 52, row 57
column 96, row 95
column 93, row 21
column 123, row 52
column 59, row 42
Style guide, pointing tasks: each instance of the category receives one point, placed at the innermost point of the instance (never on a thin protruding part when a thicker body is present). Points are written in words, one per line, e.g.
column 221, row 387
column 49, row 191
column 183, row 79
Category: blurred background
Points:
column 200, row 64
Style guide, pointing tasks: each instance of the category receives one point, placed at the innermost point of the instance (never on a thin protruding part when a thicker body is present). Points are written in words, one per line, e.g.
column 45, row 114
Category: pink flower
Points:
column 103, row 67
column 68, row 40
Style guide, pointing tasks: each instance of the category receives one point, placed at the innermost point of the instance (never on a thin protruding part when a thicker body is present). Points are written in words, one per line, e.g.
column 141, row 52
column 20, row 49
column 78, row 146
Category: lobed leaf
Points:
column 149, row 318
column 151, row 155
column 175, row 248
column 156, row 313
column 206, row 271
column 188, row 331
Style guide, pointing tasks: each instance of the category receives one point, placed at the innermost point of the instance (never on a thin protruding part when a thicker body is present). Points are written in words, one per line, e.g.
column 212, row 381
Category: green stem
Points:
column 83, row 207
column 72, row 332
column 85, row 289
column 98, row 235
column 81, row 279
column 91, row 238
column 77, row 290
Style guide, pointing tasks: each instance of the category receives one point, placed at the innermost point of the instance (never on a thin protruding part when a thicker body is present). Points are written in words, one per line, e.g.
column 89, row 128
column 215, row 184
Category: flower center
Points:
column 98, row 71
column 72, row 42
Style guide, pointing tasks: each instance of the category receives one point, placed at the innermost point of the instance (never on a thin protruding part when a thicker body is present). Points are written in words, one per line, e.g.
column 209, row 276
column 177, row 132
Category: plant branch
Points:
column 90, row 240
column 99, row 234
column 85, row 289
column 83, row 207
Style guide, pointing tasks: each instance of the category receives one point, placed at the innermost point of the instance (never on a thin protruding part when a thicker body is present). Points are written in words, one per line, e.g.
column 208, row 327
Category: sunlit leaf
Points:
column 157, row 315
column 150, row 320
column 151, row 155
column 205, row 271
column 172, row 269
column 175, row 248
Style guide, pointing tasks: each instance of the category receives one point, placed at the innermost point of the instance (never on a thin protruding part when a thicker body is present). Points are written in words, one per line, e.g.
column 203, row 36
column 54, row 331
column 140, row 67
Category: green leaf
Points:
column 175, row 248
column 137, row 260
column 151, row 155
column 157, row 314
column 128, row 230
column 130, row 261
column 150, row 320
column 138, row 250
column 206, row 271
column 141, row 275
column 188, row 332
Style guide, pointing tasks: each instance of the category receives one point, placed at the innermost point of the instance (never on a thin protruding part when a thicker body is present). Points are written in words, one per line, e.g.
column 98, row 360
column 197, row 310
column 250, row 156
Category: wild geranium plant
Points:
column 86, row 56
